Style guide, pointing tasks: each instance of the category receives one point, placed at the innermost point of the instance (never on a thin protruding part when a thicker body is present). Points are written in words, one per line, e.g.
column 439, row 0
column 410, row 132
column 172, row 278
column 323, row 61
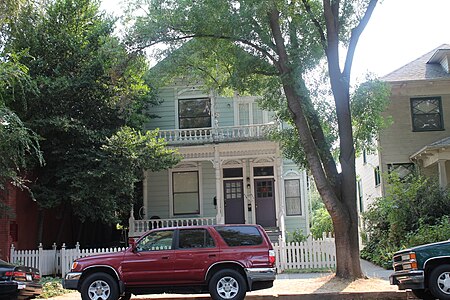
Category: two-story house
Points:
column 419, row 135
column 231, row 172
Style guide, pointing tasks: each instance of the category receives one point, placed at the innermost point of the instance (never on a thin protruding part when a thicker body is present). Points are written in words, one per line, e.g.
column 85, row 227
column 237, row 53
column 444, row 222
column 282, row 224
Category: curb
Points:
column 383, row 295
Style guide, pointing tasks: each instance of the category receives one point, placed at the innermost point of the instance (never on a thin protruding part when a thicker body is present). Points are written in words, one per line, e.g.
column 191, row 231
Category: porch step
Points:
column 273, row 233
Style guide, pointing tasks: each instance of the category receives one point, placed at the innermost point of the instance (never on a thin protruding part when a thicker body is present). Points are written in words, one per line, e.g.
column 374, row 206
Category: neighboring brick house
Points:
column 19, row 225
column 231, row 171
column 419, row 134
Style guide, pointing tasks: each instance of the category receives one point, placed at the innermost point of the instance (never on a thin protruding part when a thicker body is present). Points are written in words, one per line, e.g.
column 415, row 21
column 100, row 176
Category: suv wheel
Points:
column 99, row 286
column 439, row 282
column 227, row 285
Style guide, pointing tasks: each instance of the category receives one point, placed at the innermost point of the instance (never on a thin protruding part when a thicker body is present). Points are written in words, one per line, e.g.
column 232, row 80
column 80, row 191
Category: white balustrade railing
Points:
column 138, row 227
column 216, row 134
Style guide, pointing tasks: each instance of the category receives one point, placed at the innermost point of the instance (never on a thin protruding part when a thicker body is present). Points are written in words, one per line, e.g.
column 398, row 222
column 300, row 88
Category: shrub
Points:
column 414, row 211
column 321, row 222
column 298, row 236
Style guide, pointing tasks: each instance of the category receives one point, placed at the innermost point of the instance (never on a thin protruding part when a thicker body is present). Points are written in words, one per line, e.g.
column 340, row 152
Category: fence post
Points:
column 41, row 258
column 12, row 254
column 131, row 228
column 63, row 260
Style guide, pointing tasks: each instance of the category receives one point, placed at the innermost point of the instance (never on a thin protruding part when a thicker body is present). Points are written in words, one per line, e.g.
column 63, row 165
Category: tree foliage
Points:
column 271, row 48
column 91, row 93
column 413, row 212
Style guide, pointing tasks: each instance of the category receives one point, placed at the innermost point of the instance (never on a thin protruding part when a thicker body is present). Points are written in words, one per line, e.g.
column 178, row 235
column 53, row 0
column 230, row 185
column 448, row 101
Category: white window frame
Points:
column 192, row 93
column 198, row 169
column 293, row 175
column 250, row 101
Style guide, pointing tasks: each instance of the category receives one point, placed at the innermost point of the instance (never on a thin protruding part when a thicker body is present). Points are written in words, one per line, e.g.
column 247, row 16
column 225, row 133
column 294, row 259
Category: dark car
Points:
column 19, row 282
column 224, row 260
column 424, row 269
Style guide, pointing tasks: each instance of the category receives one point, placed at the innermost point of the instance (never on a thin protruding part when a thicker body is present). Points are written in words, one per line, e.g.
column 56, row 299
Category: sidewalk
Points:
column 307, row 286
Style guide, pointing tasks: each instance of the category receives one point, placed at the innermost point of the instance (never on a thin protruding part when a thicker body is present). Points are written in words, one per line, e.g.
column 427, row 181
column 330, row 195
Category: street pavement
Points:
column 304, row 286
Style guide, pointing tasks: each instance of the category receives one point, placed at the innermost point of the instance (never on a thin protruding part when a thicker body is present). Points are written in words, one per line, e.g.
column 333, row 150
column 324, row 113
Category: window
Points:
column 426, row 114
column 377, row 175
column 185, row 193
column 194, row 113
column 263, row 171
column 232, row 173
column 360, row 195
column 364, row 155
column 292, row 197
column 402, row 169
column 264, row 189
column 240, row 235
column 195, row 238
column 159, row 240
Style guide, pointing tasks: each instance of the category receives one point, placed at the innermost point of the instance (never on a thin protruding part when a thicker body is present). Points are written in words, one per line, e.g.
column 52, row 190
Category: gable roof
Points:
column 425, row 67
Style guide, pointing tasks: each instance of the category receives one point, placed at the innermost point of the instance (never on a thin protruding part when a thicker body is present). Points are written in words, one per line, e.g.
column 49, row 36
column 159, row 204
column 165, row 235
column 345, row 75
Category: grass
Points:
column 52, row 287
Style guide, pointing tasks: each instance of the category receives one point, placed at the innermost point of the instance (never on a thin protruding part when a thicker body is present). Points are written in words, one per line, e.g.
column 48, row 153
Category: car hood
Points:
column 438, row 245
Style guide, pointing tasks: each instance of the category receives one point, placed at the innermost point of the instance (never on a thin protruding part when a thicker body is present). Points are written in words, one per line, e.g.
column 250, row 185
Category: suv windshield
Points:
column 240, row 235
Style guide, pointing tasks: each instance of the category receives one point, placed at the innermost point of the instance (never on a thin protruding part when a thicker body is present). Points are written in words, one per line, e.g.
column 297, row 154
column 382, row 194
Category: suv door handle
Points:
column 212, row 255
column 165, row 257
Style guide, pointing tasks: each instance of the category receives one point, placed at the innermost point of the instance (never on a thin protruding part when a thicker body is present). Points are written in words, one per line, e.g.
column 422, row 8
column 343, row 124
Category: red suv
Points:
column 224, row 260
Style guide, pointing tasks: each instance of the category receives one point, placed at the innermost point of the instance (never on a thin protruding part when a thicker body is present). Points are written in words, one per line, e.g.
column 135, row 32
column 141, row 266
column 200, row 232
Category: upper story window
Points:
column 426, row 114
column 377, row 175
column 194, row 113
column 248, row 112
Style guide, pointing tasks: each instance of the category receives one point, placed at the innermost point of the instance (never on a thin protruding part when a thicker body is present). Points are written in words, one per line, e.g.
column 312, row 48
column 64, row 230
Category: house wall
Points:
column 366, row 173
column 158, row 192
column 398, row 142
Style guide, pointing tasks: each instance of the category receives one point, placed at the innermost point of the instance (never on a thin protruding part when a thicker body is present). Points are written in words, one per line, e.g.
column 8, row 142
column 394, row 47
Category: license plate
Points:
column 29, row 277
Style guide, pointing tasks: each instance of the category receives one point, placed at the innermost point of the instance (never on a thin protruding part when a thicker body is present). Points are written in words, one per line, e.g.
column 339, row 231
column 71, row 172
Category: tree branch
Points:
column 356, row 33
column 316, row 23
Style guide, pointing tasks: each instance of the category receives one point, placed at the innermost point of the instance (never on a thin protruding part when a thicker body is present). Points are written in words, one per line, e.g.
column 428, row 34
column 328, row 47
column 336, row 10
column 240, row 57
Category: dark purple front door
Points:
column 234, row 201
column 265, row 202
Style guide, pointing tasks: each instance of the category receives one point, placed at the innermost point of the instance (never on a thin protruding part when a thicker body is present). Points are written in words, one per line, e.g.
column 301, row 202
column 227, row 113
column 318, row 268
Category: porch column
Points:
column 219, row 194
column 280, row 194
column 442, row 173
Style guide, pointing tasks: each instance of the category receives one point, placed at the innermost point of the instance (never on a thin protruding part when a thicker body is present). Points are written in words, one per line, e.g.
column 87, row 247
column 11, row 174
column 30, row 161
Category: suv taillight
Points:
column 272, row 257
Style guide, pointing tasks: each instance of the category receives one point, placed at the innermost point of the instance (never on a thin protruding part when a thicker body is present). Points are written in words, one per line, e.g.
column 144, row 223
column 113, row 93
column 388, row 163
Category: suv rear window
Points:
column 240, row 235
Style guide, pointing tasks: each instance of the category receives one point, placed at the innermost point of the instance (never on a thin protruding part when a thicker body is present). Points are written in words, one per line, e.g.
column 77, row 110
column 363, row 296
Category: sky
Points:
column 398, row 32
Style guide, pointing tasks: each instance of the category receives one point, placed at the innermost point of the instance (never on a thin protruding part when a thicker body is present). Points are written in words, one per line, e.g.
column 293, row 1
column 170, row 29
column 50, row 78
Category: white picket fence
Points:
column 54, row 261
column 311, row 254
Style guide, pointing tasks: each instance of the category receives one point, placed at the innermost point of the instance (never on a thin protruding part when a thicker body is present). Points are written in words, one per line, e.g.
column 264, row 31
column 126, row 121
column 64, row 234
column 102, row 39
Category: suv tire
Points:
column 439, row 282
column 227, row 285
column 99, row 286
column 423, row 294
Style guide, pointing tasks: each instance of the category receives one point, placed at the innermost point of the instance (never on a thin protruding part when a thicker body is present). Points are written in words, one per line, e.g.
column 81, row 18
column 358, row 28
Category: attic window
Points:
column 426, row 114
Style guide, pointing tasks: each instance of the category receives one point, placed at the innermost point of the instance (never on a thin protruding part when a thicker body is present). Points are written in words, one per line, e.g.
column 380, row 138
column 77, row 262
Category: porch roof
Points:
column 432, row 153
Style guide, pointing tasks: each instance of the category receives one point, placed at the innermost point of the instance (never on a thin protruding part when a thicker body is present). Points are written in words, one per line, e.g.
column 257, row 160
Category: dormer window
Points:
column 194, row 113
column 427, row 114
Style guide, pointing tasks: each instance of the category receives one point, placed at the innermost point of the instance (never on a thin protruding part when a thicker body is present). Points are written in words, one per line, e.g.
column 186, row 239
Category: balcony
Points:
column 217, row 134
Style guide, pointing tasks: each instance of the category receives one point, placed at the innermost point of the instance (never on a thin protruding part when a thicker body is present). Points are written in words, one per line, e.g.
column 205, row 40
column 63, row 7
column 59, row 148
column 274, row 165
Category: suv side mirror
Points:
column 132, row 244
